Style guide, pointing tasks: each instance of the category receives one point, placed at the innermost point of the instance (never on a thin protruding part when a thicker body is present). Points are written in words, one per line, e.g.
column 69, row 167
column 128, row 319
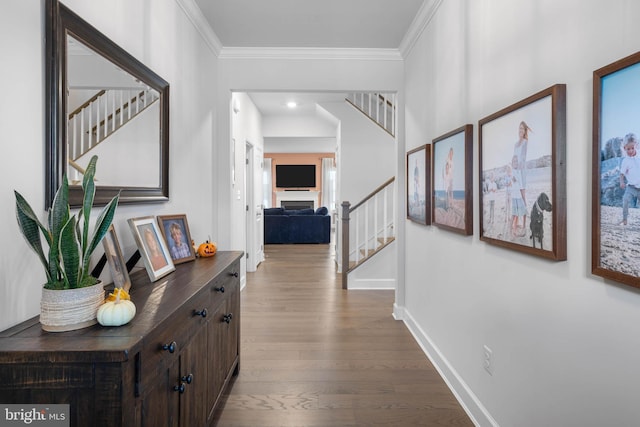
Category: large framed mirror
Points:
column 102, row 101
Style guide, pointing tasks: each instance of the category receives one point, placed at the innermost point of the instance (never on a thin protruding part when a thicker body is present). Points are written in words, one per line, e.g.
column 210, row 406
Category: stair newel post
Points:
column 345, row 242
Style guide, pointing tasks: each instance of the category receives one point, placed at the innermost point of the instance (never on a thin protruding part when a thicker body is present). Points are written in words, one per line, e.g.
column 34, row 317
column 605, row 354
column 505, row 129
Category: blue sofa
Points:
column 297, row 226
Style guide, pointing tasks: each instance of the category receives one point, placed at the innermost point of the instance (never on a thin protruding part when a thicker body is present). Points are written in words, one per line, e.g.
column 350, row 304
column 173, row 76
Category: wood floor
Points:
column 313, row 354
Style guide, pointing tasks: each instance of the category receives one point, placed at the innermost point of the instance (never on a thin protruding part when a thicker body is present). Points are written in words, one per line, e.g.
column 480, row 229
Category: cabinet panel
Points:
column 160, row 405
column 122, row 375
column 193, row 373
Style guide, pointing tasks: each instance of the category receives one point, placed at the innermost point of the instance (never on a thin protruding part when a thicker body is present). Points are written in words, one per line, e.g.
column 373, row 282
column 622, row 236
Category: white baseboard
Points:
column 372, row 284
column 467, row 399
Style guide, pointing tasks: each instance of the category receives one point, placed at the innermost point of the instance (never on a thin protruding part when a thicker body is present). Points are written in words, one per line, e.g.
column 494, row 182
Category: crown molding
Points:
column 420, row 22
column 194, row 14
column 309, row 53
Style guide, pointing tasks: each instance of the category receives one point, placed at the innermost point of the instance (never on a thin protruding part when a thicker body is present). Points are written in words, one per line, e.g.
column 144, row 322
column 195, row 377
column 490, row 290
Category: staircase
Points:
column 367, row 227
column 102, row 115
column 379, row 107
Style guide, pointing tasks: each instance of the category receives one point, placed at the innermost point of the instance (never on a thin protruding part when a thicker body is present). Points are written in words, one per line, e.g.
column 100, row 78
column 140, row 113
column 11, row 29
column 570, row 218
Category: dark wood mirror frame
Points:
column 60, row 22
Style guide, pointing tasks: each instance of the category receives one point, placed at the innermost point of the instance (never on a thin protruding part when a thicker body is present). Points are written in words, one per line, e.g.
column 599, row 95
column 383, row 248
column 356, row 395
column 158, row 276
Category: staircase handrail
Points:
column 347, row 210
column 372, row 194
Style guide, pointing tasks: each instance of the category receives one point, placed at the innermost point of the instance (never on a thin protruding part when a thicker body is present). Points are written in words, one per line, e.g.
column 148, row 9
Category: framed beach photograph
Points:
column 175, row 230
column 451, row 196
column 616, row 172
column 116, row 262
column 419, row 184
column 153, row 249
column 523, row 175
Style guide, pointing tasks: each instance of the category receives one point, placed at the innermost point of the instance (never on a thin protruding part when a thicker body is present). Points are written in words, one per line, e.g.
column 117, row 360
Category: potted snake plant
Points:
column 70, row 296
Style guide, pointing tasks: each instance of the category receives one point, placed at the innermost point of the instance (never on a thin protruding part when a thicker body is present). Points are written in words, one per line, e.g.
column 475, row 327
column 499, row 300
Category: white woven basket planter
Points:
column 70, row 309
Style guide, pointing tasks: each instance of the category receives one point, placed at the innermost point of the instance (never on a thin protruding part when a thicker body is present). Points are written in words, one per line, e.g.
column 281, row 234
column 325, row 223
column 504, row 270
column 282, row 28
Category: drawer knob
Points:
column 187, row 378
column 227, row 318
column 202, row 312
column 220, row 289
column 234, row 274
column 179, row 388
column 170, row 347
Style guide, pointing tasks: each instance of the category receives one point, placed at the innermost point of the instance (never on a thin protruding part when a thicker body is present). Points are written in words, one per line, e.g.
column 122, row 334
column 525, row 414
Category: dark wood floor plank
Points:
column 314, row 354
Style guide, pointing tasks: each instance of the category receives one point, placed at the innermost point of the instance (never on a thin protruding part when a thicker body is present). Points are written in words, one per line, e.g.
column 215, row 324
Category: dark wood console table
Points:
column 167, row 367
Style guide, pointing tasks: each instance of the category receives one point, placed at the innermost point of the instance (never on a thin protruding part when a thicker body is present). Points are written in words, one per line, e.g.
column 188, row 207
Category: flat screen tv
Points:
column 295, row 176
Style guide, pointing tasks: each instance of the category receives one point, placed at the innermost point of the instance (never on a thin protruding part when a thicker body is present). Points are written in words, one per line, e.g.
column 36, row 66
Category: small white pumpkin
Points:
column 117, row 310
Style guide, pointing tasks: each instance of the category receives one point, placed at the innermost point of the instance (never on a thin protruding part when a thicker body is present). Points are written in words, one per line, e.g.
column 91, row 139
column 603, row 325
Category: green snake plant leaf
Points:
column 89, row 190
column 30, row 227
column 70, row 254
column 58, row 217
column 102, row 226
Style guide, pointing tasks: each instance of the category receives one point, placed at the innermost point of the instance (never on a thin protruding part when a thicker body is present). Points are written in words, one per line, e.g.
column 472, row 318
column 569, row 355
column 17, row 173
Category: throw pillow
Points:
column 322, row 210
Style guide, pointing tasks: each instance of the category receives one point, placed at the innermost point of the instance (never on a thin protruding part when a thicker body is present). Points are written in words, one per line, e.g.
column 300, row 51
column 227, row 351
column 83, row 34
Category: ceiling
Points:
column 362, row 24
column 327, row 24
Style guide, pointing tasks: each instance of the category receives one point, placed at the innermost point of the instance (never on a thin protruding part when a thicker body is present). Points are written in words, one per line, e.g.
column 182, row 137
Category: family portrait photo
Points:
column 519, row 176
column 452, row 197
column 616, row 167
column 418, row 188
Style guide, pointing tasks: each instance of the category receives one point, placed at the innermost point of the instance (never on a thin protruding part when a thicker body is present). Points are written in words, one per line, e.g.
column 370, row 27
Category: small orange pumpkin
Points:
column 207, row 249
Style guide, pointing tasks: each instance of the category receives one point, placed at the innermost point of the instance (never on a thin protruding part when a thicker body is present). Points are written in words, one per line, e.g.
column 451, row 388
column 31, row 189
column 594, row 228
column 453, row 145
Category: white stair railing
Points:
column 379, row 107
column 103, row 114
column 367, row 227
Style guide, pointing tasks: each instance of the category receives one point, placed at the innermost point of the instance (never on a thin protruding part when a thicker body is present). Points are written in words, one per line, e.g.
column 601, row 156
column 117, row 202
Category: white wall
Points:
column 246, row 127
column 366, row 154
column 158, row 34
column 296, row 126
column 565, row 343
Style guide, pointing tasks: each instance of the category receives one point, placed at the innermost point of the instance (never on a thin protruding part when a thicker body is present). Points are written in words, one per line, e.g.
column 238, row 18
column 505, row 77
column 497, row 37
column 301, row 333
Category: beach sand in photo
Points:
column 620, row 244
column 500, row 228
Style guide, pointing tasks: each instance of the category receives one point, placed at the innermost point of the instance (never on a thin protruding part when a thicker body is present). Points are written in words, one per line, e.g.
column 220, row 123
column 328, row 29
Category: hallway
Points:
column 313, row 354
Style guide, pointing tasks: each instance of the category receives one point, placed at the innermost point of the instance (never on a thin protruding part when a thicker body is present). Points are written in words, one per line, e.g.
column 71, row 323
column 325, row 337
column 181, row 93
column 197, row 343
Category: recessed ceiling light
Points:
column 292, row 104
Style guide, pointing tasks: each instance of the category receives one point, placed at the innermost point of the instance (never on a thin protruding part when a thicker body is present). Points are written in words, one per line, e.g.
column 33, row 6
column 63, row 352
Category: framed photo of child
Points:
column 523, row 175
column 452, row 198
column 616, row 171
column 153, row 249
column 419, row 184
column 175, row 230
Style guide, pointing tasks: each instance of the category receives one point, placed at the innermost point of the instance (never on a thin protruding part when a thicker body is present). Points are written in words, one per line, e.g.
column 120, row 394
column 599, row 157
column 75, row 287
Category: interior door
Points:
column 253, row 191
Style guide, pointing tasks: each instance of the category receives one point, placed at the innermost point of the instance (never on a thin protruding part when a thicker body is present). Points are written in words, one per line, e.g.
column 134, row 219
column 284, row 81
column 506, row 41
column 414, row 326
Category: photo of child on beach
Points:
column 452, row 199
column 418, row 188
column 619, row 172
column 517, row 176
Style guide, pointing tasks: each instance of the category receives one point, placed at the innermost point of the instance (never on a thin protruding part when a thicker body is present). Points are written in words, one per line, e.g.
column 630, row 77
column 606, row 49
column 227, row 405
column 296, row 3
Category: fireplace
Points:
column 299, row 199
column 297, row 204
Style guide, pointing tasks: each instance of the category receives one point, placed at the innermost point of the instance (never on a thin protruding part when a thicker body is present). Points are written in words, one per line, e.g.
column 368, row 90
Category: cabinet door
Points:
column 159, row 406
column 217, row 343
column 193, row 374
column 232, row 333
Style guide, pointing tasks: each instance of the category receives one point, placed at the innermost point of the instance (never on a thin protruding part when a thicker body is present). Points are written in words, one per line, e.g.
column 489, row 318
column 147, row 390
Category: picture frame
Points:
column 452, row 181
column 614, row 247
column 419, row 184
column 117, row 264
column 175, row 231
column 522, row 150
column 153, row 249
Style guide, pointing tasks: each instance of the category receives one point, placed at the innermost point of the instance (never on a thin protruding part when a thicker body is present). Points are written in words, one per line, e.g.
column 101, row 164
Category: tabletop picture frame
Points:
column 117, row 264
column 419, row 185
column 522, row 151
column 615, row 228
column 451, row 195
column 176, row 234
column 153, row 249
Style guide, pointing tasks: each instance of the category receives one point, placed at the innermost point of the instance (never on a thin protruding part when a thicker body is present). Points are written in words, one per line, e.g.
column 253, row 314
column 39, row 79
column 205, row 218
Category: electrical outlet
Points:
column 487, row 359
